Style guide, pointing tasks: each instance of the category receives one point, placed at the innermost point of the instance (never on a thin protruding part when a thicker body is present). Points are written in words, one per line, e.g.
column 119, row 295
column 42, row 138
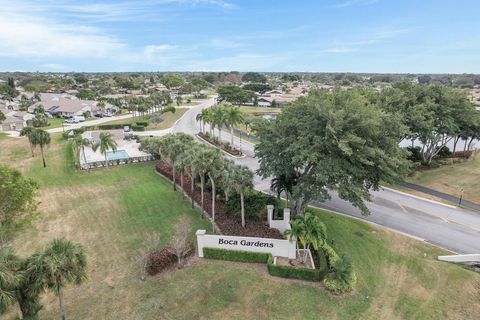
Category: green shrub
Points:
column 235, row 255
column 415, row 154
column 294, row 272
column 142, row 123
column 111, row 126
column 444, row 152
column 136, row 127
column 255, row 204
column 343, row 277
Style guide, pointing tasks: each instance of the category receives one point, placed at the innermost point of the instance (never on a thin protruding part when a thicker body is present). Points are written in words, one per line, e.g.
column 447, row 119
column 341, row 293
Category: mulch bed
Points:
column 229, row 224
column 224, row 146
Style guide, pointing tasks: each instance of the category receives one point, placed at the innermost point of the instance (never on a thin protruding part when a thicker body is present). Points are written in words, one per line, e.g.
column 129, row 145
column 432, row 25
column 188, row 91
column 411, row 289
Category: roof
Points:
column 63, row 103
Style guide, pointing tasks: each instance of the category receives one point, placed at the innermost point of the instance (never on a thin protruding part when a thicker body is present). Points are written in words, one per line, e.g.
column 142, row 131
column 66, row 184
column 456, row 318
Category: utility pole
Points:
column 461, row 196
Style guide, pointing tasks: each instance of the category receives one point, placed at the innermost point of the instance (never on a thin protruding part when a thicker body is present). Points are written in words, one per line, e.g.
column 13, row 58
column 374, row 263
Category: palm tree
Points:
column 80, row 144
column 242, row 181
column 214, row 164
column 190, row 166
column 201, row 164
column 296, row 231
column 41, row 138
column 219, row 119
column 233, row 116
column 207, row 117
column 172, row 148
column 228, row 178
column 10, row 278
column 199, row 118
column 105, row 143
column 314, row 232
column 27, row 131
column 64, row 262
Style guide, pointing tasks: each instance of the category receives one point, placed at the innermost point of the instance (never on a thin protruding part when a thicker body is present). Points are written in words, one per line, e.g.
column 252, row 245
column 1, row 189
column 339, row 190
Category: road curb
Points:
column 420, row 198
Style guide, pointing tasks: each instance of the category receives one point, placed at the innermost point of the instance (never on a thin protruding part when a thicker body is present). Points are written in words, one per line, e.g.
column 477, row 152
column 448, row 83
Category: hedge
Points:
column 142, row 123
column 136, row 127
column 294, row 272
column 235, row 255
column 256, row 257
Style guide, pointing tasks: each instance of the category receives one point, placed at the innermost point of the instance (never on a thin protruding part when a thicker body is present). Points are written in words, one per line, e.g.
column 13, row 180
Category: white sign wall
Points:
column 277, row 247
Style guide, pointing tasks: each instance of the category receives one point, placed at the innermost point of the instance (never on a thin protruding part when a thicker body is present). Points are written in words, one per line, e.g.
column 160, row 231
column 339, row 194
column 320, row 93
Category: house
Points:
column 15, row 120
column 66, row 106
column 273, row 93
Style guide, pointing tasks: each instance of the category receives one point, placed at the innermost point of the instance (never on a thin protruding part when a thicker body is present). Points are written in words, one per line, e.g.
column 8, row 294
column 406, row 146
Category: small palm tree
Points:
column 105, row 143
column 191, row 167
column 219, row 119
column 80, row 144
column 41, row 138
column 27, row 132
column 172, row 148
column 242, row 181
column 201, row 163
column 296, row 232
column 63, row 262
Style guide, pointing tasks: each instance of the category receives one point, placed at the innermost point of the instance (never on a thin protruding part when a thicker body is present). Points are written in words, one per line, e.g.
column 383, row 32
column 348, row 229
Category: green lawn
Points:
column 169, row 119
column 452, row 178
column 109, row 210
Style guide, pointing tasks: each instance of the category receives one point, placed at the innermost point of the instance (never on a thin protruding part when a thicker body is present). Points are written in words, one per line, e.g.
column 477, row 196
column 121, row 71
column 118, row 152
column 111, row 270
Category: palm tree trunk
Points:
column 62, row 305
column 242, row 208
column 231, row 134
column 181, row 184
column 43, row 156
column 213, row 198
column 173, row 170
column 106, row 160
column 193, row 188
column 202, row 184
column 31, row 149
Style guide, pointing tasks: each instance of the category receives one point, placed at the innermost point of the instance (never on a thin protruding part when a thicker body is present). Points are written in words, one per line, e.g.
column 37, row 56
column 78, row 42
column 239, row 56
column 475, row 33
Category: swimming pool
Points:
column 117, row 155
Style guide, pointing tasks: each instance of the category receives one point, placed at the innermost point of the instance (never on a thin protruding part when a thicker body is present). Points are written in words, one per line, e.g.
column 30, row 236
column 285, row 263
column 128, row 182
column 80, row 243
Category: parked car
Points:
column 79, row 118
column 106, row 114
column 71, row 120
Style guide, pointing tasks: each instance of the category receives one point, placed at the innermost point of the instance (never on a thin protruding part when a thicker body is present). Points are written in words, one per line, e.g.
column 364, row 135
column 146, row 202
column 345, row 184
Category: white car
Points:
column 71, row 120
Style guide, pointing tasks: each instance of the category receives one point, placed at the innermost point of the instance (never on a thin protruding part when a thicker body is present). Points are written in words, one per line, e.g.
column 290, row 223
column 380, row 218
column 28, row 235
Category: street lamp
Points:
column 461, row 196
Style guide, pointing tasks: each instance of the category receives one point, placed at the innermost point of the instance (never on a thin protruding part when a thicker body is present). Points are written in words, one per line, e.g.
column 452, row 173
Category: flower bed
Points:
column 228, row 224
column 225, row 146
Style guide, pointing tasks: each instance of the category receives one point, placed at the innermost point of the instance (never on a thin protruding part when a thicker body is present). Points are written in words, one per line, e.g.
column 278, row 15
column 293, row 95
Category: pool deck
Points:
column 129, row 146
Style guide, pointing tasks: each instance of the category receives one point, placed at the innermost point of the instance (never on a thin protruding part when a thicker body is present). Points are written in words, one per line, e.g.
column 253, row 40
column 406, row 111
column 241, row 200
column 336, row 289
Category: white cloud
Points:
column 355, row 45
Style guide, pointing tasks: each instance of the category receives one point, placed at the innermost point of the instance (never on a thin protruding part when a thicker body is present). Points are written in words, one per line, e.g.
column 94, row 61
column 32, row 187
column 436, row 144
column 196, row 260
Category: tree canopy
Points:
column 338, row 140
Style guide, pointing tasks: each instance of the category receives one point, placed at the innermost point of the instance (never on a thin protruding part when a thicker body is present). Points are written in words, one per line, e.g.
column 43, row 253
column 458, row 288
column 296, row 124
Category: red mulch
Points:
column 229, row 224
column 224, row 146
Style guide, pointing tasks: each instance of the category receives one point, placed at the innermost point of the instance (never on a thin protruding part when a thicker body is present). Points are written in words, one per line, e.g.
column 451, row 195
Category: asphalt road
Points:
column 445, row 226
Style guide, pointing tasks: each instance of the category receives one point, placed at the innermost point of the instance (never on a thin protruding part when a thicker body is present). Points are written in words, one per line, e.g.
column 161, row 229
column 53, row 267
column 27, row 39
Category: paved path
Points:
column 441, row 195
column 449, row 227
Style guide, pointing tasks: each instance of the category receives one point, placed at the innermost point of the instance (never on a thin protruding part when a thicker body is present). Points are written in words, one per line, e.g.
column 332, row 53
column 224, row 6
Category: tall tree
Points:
column 64, row 262
column 191, row 167
column 242, row 180
column 334, row 141
column 27, row 132
column 233, row 117
column 16, row 198
column 105, row 143
column 214, row 164
column 171, row 149
column 41, row 138
column 80, row 144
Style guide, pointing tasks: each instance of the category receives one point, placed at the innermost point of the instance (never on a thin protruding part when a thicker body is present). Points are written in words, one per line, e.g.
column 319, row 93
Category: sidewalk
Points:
column 441, row 195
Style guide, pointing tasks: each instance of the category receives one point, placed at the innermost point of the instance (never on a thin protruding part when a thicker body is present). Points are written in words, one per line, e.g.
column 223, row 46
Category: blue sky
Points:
column 436, row 36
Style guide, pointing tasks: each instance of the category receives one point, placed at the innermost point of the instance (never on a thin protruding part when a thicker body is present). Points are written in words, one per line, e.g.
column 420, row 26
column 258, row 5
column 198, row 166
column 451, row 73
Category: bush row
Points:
column 255, row 204
column 235, row 255
column 294, row 272
column 256, row 257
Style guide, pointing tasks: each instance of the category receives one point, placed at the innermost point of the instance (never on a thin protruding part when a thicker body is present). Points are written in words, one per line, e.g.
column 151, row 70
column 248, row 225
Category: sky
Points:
column 382, row 36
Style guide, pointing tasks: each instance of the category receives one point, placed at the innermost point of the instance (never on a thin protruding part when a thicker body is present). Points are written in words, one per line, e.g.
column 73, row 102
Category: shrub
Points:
column 255, row 204
column 330, row 254
column 160, row 260
column 136, row 127
column 142, row 123
column 415, row 154
column 235, row 255
column 444, row 152
column 111, row 126
column 343, row 278
column 293, row 272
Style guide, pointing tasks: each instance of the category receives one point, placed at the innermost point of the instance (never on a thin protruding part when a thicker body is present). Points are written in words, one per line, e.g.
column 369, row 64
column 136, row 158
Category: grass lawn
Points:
column 109, row 210
column 260, row 110
column 452, row 178
column 169, row 120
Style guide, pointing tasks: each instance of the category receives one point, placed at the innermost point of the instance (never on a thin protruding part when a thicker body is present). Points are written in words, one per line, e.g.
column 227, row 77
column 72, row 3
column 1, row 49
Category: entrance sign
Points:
column 277, row 247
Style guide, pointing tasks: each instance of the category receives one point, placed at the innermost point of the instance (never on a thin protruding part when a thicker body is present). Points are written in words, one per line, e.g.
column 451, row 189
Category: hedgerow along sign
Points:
column 277, row 247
